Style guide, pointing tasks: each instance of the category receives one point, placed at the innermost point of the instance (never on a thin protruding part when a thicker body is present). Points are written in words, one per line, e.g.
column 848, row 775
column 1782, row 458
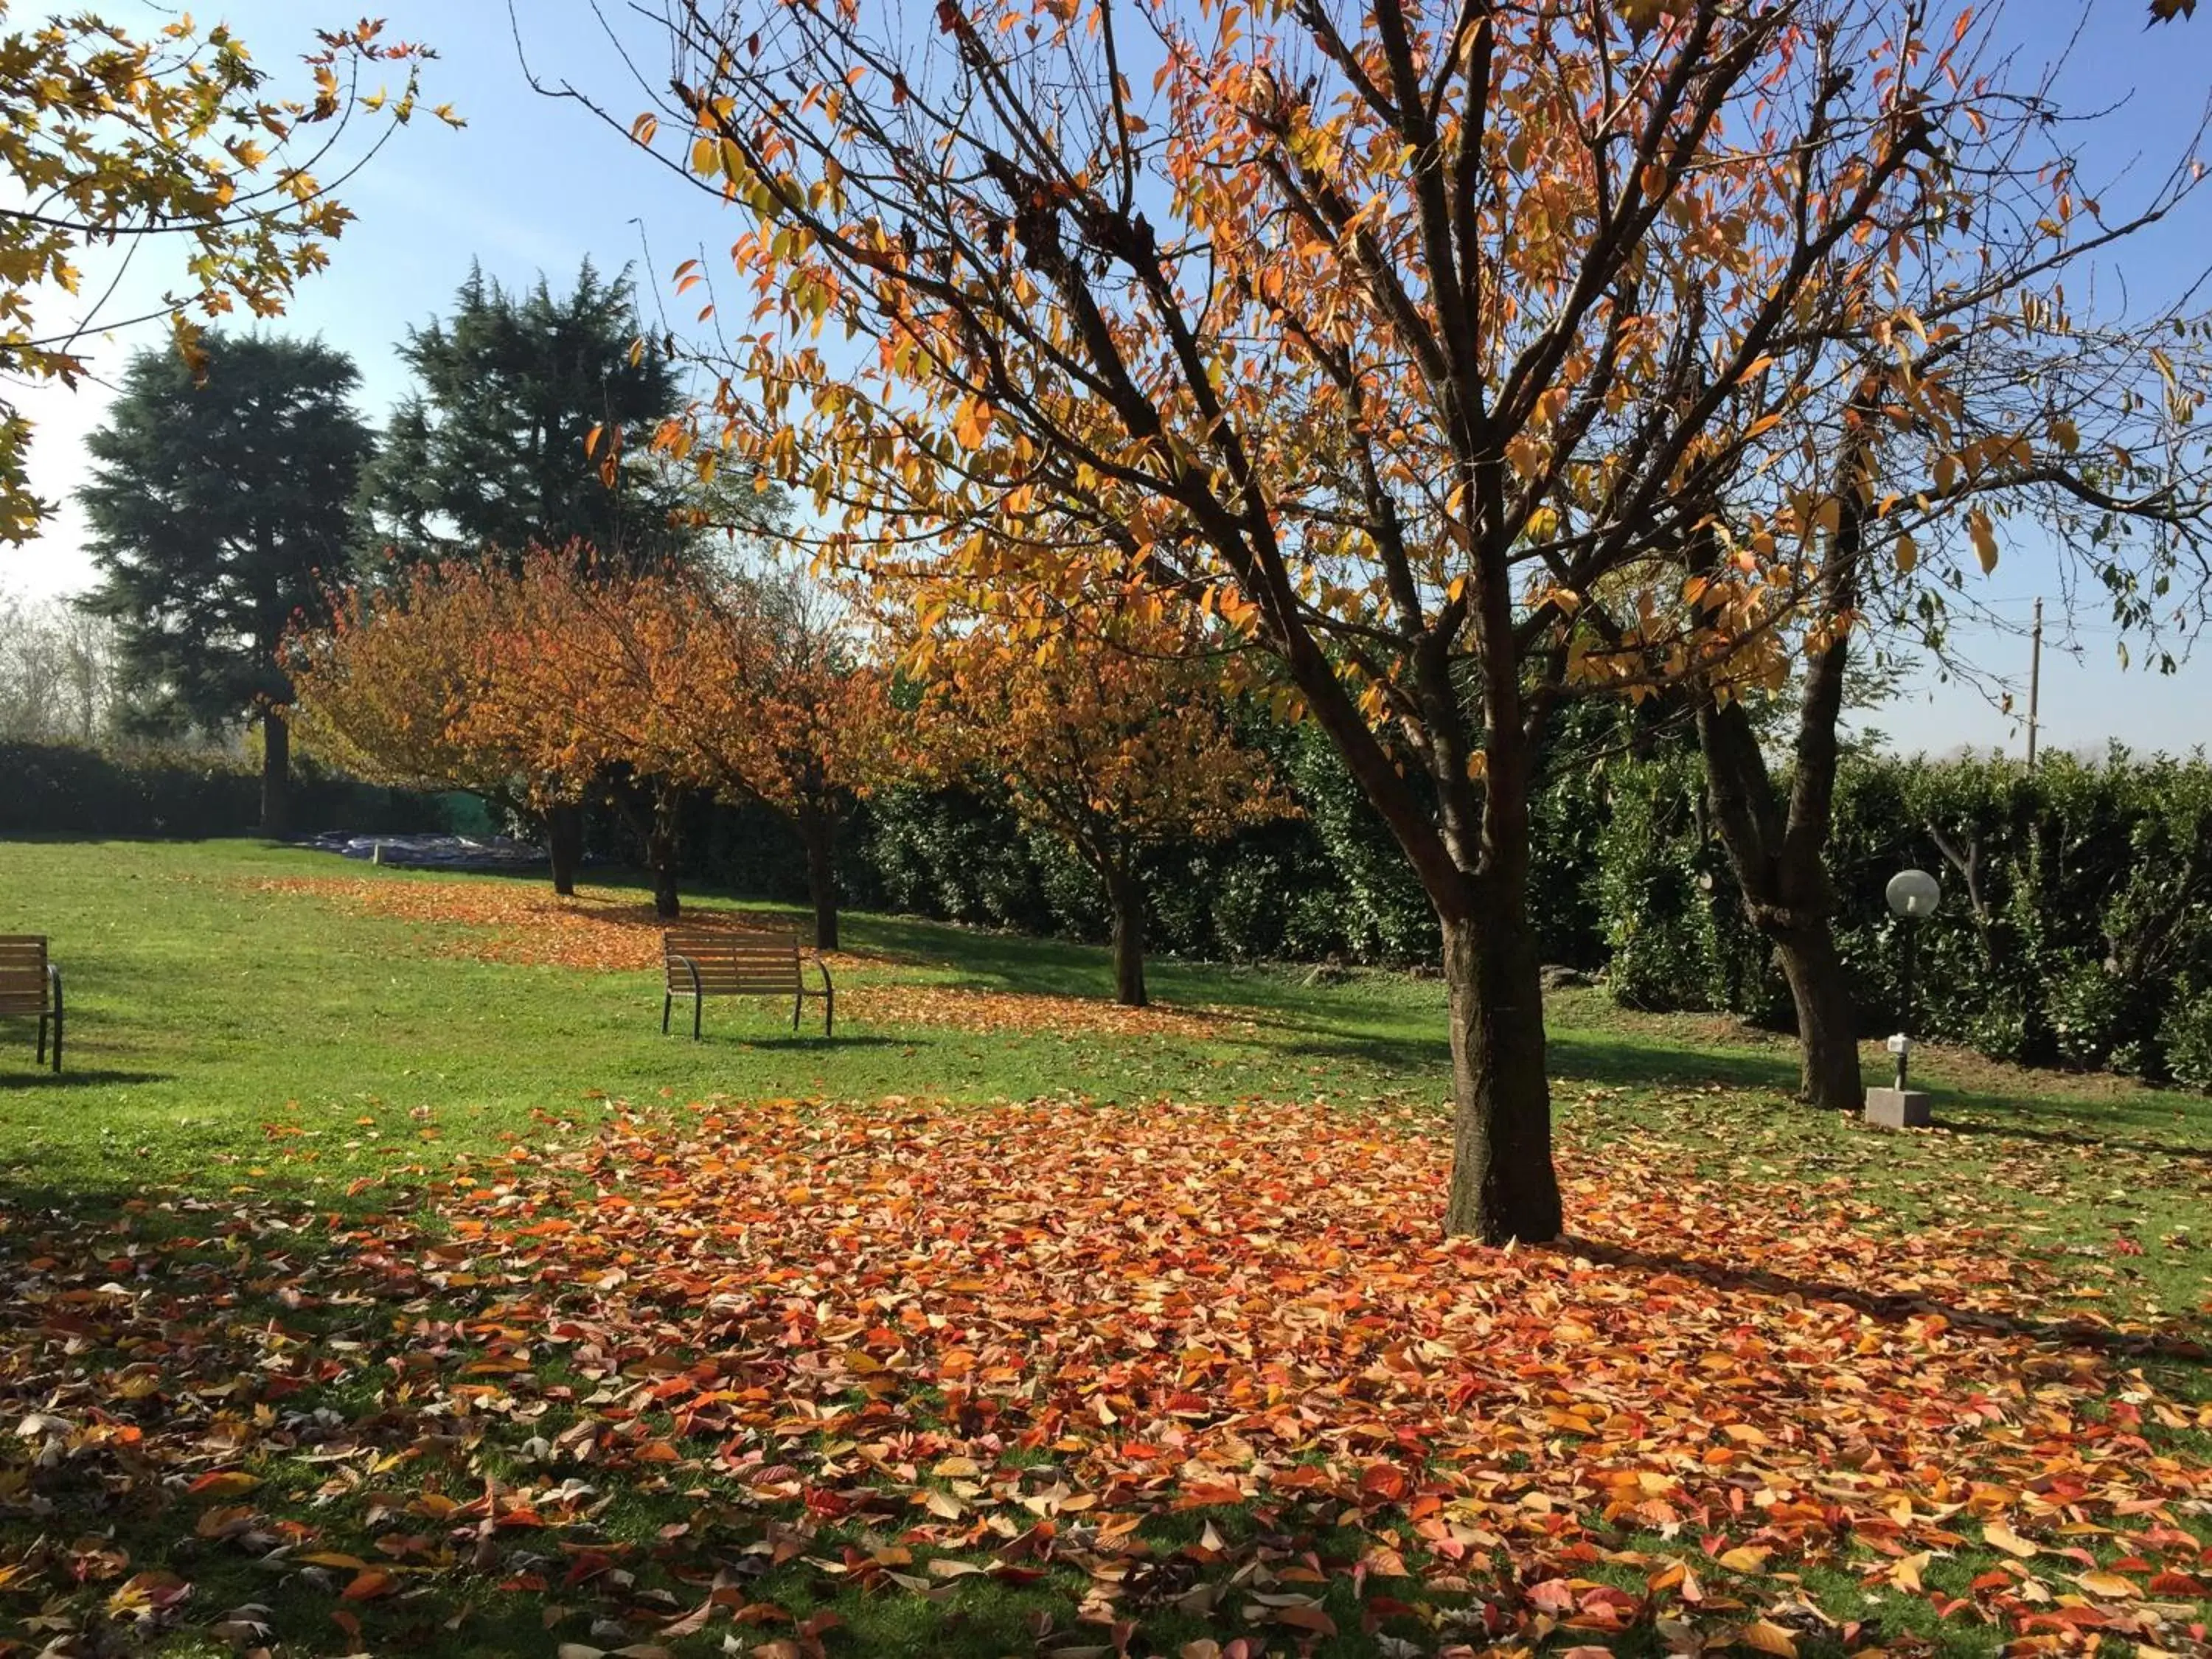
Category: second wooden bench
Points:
column 725, row 962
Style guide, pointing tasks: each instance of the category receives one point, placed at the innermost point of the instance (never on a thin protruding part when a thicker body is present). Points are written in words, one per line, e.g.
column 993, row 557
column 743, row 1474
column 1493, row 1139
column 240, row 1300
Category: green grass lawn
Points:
column 241, row 1048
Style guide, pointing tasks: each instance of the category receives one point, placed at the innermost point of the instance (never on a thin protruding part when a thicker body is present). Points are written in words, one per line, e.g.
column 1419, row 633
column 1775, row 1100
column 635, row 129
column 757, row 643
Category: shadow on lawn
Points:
column 1606, row 1060
column 2174, row 1344
column 2087, row 1140
column 795, row 1042
column 92, row 1078
column 286, row 1457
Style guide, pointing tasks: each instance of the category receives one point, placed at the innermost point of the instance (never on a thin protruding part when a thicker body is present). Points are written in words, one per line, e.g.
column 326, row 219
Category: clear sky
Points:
column 536, row 185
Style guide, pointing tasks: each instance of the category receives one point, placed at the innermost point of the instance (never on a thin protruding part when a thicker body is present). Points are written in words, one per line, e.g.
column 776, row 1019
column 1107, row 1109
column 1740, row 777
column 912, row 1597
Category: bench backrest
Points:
column 22, row 973
column 732, row 961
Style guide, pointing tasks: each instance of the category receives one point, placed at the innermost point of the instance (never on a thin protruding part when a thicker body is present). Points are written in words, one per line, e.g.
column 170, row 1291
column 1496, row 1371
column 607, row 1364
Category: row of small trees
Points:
column 230, row 489
column 551, row 678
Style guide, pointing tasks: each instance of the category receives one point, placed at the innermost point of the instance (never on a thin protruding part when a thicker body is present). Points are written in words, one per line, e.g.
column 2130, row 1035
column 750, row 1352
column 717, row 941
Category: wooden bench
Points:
column 734, row 962
column 31, row 988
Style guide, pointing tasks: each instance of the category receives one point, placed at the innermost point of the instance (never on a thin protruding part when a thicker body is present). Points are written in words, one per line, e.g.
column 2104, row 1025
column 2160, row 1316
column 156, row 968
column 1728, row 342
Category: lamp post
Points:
column 1913, row 894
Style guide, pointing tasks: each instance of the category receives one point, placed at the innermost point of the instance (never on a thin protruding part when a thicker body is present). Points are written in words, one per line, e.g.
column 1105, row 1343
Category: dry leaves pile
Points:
column 906, row 1349
column 601, row 930
column 961, row 1008
column 604, row 930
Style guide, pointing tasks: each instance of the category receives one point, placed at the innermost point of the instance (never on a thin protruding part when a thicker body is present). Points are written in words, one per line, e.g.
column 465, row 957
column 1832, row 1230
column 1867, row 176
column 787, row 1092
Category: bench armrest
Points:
column 690, row 967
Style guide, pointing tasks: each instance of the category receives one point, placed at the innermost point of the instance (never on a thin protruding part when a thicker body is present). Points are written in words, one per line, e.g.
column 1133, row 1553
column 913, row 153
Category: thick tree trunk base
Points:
column 1504, row 1189
column 564, row 846
column 1827, row 1024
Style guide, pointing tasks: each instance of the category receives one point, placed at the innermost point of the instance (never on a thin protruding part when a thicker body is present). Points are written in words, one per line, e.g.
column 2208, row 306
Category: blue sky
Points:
column 535, row 185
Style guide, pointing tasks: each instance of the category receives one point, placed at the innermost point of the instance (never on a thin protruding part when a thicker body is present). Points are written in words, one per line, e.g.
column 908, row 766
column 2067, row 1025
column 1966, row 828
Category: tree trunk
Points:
column 1827, row 1021
column 1503, row 1184
column 276, row 775
column 564, row 844
column 817, row 831
column 660, row 853
column 1779, row 858
column 1127, row 895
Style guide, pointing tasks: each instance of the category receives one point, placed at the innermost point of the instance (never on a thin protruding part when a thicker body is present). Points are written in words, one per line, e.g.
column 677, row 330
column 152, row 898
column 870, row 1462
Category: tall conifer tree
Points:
column 218, row 508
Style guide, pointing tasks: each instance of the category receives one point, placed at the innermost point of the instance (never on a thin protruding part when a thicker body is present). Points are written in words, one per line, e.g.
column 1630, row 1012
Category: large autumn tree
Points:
column 1118, row 733
column 1392, row 334
column 177, row 144
column 220, row 505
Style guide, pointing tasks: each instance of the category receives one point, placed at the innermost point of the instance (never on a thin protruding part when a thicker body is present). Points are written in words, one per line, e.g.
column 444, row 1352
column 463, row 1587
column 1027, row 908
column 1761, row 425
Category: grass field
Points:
column 360, row 1184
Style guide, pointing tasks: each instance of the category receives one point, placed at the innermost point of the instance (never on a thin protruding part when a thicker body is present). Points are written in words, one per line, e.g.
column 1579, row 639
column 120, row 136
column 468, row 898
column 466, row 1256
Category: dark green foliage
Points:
column 55, row 789
column 1659, row 867
column 2076, row 924
column 1382, row 914
column 489, row 452
column 218, row 510
column 2186, row 1036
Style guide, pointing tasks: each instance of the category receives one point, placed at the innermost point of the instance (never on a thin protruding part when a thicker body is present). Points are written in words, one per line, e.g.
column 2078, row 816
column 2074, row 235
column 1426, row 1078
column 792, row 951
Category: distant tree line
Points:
column 231, row 494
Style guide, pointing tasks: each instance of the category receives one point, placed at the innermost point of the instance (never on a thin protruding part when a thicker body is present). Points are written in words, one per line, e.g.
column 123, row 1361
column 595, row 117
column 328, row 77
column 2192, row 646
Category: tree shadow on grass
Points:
column 1611, row 1061
column 2087, row 1140
column 2185, row 1344
column 93, row 1077
column 502, row 1532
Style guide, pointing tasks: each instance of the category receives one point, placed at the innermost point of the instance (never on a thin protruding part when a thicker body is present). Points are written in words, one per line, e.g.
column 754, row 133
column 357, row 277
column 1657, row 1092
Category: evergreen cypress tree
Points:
column 218, row 508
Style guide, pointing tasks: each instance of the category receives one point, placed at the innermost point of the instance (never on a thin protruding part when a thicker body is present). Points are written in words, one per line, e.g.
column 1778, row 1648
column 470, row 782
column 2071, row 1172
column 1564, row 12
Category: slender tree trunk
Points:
column 564, row 844
column 1127, row 895
column 1503, row 1184
column 1827, row 1020
column 1780, row 862
column 817, row 831
column 651, row 809
column 276, row 775
column 660, row 851
column 1779, row 848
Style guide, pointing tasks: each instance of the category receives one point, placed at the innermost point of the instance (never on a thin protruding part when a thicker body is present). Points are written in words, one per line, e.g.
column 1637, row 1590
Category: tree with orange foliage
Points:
column 669, row 680
column 553, row 678
column 391, row 687
column 1425, row 341
column 785, row 710
column 1116, row 741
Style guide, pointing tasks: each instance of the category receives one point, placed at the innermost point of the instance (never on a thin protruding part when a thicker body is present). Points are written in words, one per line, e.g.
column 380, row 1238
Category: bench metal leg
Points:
column 667, row 1003
column 698, row 1005
column 54, row 990
column 829, row 1013
column 797, row 1003
column 42, row 1039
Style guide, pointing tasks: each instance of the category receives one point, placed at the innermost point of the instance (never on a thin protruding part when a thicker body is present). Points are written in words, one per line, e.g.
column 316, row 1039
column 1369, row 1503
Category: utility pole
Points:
column 2034, row 681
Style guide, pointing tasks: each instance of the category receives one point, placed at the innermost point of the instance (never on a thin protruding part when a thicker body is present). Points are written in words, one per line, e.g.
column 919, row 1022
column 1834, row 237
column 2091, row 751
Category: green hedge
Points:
column 2084, row 937
column 60, row 789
